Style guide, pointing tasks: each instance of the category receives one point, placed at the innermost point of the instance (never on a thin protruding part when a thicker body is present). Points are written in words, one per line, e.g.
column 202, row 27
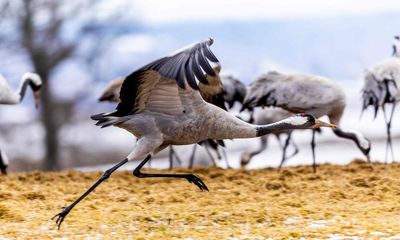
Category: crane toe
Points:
column 61, row 216
column 197, row 181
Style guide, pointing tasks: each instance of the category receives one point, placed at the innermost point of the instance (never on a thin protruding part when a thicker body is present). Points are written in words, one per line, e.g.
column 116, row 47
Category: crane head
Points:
column 35, row 82
column 310, row 121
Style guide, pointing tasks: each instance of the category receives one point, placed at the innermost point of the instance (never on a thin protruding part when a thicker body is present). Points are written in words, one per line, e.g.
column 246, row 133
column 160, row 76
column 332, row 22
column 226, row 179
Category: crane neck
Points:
column 262, row 130
column 362, row 143
column 22, row 88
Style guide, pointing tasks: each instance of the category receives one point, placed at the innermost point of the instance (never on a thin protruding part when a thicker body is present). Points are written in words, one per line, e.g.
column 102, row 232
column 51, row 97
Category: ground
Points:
column 338, row 201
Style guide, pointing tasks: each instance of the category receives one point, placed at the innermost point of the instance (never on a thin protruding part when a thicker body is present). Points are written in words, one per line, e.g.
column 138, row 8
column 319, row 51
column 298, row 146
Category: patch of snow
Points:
column 319, row 224
column 289, row 221
column 342, row 237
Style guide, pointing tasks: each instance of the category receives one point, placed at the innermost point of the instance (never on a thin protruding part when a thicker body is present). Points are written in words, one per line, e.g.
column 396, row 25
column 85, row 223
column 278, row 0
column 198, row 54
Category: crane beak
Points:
column 36, row 96
column 319, row 123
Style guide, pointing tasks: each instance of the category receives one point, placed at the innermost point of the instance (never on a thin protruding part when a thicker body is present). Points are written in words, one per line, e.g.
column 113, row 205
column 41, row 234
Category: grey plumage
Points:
column 381, row 88
column 296, row 93
column 9, row 97
column 381, row 84
column 111, row 94
column 162, row 107
column 212, row 92
column 234, row 90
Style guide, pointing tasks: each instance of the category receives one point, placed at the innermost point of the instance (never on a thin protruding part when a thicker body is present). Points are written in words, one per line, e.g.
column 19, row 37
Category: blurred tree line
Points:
column 50, row 32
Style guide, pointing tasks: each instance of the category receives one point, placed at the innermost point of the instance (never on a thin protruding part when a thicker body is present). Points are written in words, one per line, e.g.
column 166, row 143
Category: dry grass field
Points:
column 337, row 202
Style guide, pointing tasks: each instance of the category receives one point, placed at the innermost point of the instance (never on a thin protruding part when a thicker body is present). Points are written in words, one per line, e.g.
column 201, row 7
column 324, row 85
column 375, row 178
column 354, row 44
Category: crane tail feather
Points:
column 107, row 119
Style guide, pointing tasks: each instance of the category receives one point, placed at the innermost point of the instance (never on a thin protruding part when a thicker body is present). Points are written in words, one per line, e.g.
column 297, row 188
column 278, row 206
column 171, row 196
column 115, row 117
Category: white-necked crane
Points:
column 267, row 115
column 296, row 93
column 9, row 97
column 161, row 105
column 380, row 89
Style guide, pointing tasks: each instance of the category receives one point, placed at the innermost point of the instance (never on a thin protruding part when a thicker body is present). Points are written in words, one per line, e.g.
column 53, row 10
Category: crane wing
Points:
column 165, row 85
column 213, row 92
column 184, row 68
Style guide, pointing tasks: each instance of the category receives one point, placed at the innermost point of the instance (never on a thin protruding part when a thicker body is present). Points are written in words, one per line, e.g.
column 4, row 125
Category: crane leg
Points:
column 313, row 150
column 190, row 177
column 226, row 158
column 171, row 157
column 296, row 148
column 210, row 155
column 278, row 137
column 388, row 121
column 177, row 158
column 247, row 156
column 191, row 161
column 3, row 166
column 172, row 153
column 61, row 216
column 284, row 148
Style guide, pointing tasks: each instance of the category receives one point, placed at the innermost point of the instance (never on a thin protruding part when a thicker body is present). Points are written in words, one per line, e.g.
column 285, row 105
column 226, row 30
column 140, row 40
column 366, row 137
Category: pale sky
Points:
column 169, row 11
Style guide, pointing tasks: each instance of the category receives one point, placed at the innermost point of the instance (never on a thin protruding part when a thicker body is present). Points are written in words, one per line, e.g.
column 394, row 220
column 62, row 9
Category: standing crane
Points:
column 9, row 97
column 161, row 105
column 380, row 90
column 305, row 93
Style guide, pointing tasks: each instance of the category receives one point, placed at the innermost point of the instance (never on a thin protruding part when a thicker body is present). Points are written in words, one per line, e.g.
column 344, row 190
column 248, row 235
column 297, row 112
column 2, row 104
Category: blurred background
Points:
column 78, row 46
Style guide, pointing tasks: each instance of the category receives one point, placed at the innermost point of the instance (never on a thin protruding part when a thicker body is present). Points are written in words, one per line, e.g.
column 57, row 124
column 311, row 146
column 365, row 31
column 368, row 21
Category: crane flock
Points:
column 181, row 99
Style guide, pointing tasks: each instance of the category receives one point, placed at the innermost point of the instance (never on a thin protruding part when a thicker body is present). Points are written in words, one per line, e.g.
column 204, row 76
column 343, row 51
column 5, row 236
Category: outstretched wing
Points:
column 157, row 85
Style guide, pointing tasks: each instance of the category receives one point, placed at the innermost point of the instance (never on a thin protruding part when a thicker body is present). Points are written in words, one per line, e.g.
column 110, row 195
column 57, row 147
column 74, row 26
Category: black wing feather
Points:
column 190, row 76
column 187, row 63
column 204, row 63
column 197, row 70
column 209, row 54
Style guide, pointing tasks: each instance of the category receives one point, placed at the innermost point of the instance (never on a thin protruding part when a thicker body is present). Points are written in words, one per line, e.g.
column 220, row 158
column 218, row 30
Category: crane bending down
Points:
column 305, row 93
column 381, row 88
column 161, row 105
column 9, row 97
column 267, row 116
column 111, row 94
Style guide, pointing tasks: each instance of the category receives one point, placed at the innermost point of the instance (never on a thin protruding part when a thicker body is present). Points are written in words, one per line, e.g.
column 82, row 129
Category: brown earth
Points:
column 338, row 201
